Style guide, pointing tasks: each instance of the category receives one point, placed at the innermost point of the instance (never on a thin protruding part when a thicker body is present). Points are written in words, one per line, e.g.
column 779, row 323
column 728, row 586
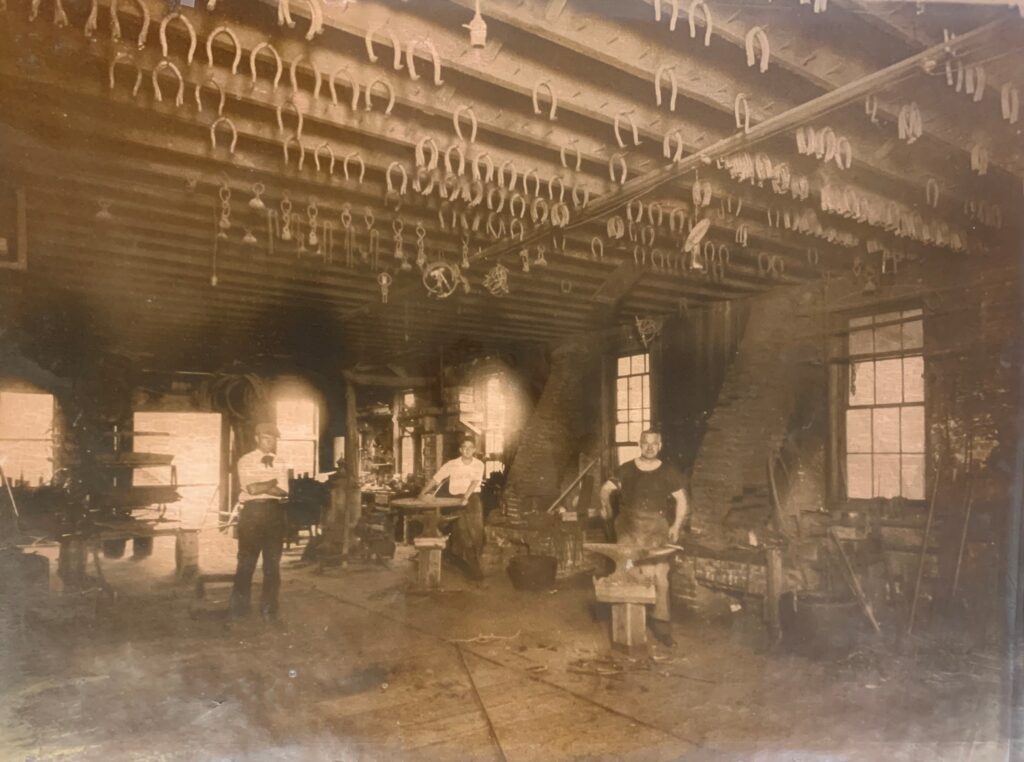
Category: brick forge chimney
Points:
column 562, row 420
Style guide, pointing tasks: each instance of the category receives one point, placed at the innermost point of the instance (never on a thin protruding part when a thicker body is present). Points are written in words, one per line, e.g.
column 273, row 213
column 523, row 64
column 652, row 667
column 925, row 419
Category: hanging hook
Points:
column 468, row 110
column 165, row 64
column 188, row 27
column 317, row 78
column 756, row 37
column 277, row 60
column 234, row 41
column 411, row 62
column 554, row 99
column 352, row 83
column 663, row 70
column 387, row 86
column 396, row 45
column 231, row 126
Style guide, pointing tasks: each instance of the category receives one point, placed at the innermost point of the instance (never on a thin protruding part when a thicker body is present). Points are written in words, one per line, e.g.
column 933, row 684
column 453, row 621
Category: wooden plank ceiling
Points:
column 126, row 191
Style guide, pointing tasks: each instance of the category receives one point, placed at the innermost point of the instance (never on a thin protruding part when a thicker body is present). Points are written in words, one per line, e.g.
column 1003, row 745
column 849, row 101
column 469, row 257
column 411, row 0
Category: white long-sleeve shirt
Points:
column 252, row 470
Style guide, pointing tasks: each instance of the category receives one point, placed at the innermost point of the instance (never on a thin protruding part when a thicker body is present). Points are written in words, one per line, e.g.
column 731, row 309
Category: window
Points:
column 195, row 442
column 26, row 437
column 494, row 417
column 632, row 403
column 299, row 423
column 407, row 464
column 885, row 433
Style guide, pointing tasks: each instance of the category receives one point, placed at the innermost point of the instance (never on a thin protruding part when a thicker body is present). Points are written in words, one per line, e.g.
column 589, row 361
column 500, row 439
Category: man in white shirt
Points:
column 263, row 478
column 461, row 477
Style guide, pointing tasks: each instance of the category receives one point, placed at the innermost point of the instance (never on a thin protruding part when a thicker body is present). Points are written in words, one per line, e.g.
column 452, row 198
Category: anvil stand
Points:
column 430, row 545
column 627, row 591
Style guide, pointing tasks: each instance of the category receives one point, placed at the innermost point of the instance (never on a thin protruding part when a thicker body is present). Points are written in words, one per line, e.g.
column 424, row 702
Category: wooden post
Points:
column 186, row 553
column 773, row 590
column 428, row 572
column 352, row 492
column 629, row 626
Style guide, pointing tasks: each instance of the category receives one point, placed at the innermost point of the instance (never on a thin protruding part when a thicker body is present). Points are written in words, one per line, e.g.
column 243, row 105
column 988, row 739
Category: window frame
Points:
column 314, row 440
column 615, row 444
column 52, row 439
column 842, row 368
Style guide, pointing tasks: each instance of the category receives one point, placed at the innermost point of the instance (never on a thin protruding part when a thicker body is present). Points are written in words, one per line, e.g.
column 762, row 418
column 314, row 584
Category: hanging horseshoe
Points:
column 298, row 116
column 616, row 228
column 475, row 166
column 975, row 82
column 756, row 37
column 513, row 174
column 647, row 235
column 554, row 99
column 741, row 235
column 931, row 193
column 330, row 154
column 616, row 126
column 91, row 23
column 580, row 202
column 352, row 83
column 473, row 193
column 619, row 160
column 871, row 108
column 448, row 159
column 676, row 220
column 675, row 136
column 220, row 93
column 517, row 225
column 277, row 60
column 741, row 110
column 637, row 215
column 391, row 94
column 539, row 211
column 188, row 27
column 418, row 181
column 421, row 159
column 551, row 188
column 115, row 23
column 843, row 153
column 562, row 157
column 763, row 169
column 774, row 217
column 526, row 182
column 179, row 99
column 234, row 41
column 302, row 150
column 450, row 187
column 708, row 23
column 317, row 77
column 979, row 159
column 396, row 46
column 668, row 70
column 501, row 193
column 411, row 62
column 468, row 110
column 1009, row 103
column 702, row 193
column 362, row 166
column 123, row 57
column 512, row 205
column 231, row 126
column 596, row 248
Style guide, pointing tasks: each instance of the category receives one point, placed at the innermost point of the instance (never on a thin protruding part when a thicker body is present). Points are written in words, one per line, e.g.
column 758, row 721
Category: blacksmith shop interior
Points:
column 511, row 380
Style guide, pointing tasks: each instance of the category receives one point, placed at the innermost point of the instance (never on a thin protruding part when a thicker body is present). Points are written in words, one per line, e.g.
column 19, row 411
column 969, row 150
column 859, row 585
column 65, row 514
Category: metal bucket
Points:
column 817, row 625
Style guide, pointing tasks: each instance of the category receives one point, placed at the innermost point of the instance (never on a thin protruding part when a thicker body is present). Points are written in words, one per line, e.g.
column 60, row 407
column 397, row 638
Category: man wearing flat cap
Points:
column 263, row 478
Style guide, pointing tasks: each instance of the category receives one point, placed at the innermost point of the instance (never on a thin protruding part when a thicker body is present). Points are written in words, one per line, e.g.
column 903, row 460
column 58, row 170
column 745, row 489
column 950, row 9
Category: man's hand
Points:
column 673, row 534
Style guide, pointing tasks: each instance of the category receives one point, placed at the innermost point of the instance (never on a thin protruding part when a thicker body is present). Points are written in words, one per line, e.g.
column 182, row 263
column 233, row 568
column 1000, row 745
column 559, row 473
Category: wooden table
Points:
column 429, row 508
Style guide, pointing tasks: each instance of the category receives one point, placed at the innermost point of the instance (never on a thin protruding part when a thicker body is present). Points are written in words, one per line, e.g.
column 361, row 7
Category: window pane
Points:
column 858, row 431
column 27, row 463
column 912, row 429
column 621, row 432
column 885, row 429
column 300, row 455
column 635, row 430
column 888, row 381
column 913, row 379
column 408, row 456
column 860, row 322
column 886, row 317
column 622, row 401
column 913, row 335
column 887, row 475
column 858, row 475
column 647, row 418
column 887, row 337
column 636, row 415
column 647, row 391
column 862, row 383
column 638, row 364
column 860, row 342
column 636, row 398
column 296, row 418
column 622, row 414
column 26, row 415
column 622, row 386
column 913, row 477
column 623, row 366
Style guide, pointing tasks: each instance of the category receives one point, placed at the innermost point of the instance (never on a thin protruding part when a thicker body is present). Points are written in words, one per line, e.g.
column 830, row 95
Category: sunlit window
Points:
column 299, row 423
column 26, row 437
column 885, row 431
column 494, row 417
column 632, row 403
column 408, row 454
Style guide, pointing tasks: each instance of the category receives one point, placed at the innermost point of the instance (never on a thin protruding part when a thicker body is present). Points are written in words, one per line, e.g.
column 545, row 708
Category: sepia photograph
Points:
column 511, row 380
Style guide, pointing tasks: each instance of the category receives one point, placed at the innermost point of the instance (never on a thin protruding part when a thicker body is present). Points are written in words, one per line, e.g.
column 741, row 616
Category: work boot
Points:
column 269, row 614
column 662, row 631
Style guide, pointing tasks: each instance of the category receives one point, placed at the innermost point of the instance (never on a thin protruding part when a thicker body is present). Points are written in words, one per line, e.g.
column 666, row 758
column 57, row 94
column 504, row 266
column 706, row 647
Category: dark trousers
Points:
column 261, row 529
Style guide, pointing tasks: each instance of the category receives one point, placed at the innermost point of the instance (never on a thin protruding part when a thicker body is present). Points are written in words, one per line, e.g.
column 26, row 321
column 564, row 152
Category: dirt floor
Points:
column 365, row 668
